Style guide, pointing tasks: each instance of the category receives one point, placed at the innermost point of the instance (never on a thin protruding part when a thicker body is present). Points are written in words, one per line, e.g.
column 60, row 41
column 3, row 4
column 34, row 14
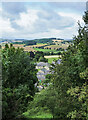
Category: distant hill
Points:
column 30, row 42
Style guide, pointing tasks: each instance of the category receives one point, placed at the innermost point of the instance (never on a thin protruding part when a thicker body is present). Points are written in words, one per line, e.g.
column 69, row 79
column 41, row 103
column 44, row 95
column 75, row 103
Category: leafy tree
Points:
column 67, row 75
column 39, row 56
column 19, row 77
column 80, row 93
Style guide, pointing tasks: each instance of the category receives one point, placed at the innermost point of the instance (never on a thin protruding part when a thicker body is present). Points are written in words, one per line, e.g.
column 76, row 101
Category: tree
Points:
column 67, row 75
column 0, row 46
column 80, row 93
column 19, row 77
column 32, row 54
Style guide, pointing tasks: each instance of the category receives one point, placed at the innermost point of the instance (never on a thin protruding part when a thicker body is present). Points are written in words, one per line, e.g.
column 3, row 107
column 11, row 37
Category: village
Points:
column 43, row 69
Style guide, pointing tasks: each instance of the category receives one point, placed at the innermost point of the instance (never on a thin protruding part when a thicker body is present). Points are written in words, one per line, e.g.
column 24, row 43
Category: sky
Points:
column 30, row 20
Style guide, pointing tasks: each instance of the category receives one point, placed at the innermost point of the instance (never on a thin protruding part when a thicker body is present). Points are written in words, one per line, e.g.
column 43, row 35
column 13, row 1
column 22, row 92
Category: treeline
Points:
column 26, row 42
column 46, row 53
column 38, row 56
column 35, row 41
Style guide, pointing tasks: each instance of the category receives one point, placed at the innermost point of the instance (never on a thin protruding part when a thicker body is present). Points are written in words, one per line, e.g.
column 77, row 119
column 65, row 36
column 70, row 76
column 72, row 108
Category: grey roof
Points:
column 41, row 77
column 43, row 72
column 59, row 61
column 39, row 73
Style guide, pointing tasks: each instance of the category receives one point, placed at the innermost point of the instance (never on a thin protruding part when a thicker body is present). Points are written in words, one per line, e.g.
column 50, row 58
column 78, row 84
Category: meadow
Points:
column 50, row 60
column 44, row 50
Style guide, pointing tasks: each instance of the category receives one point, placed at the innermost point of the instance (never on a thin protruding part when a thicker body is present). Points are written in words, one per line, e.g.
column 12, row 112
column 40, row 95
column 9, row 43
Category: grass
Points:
column 64, row 46
column 40, row 114
column 44, row 50
column 41, row 43
column 38, row 70
column 50, row 60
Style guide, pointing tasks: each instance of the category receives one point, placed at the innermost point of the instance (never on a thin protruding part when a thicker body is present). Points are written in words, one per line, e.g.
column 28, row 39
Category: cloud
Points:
column 5, row 27
column 77, row 17
column 35, row 21
column 12, row 10
column 72, row 6
column 38, row 20
column 13, row 7
column 26, row 20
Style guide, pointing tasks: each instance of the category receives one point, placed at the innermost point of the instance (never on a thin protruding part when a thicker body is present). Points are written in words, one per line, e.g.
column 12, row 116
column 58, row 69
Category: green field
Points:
column 40, row 43
column 40, row 114
column 50, row 60
column 44, row 50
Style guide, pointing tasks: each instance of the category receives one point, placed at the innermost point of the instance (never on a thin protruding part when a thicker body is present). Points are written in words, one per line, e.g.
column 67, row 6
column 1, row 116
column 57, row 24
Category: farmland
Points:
column 64, row 46
column 44, row 50
column 45, row 45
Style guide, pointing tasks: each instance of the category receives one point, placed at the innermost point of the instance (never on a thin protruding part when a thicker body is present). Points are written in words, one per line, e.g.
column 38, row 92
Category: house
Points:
column 41, row 65
column 44, row 70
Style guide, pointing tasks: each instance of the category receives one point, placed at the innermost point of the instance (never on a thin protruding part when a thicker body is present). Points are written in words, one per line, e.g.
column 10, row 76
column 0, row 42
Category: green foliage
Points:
column 50, row 60
column 18, row 81
column 42, row 59
column 36, row 41
column 44, row 40
column 72, row 76
column 47, row 80
column 39, row 57
column 29, row 42
column 80, row 93
column 42, row 103
column 85, row 17
column 0, row 46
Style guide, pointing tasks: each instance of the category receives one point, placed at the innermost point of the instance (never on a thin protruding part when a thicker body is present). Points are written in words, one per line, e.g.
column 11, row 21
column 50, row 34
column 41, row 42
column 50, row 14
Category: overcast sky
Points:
column 31, row 20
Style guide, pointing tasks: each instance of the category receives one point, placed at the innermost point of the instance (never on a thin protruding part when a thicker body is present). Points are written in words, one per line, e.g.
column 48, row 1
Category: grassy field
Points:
column 44, row 50
column 50, row 60
column 64, row 46
column 41, row 43
column 38, row 45
column 40, row 114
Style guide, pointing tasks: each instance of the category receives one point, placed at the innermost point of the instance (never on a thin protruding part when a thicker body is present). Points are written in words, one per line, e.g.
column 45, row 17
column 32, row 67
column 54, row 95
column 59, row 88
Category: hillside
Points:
column 45, row 44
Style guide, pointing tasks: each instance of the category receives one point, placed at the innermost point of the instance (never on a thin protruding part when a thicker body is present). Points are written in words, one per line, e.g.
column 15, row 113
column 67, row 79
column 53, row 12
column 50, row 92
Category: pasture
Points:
column 63, row 46
column 44, row 50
